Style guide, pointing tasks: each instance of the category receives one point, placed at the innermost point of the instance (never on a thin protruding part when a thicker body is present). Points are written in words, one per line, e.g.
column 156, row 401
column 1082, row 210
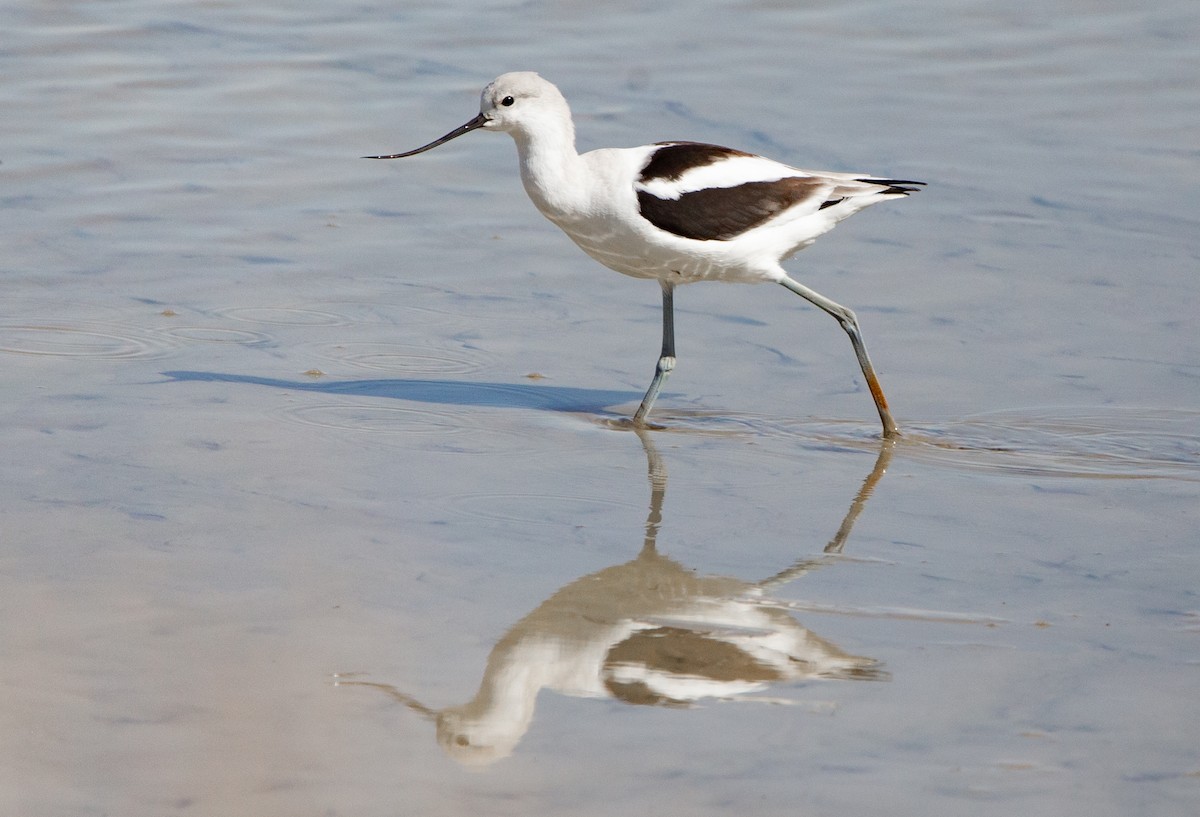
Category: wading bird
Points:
column 676, row 212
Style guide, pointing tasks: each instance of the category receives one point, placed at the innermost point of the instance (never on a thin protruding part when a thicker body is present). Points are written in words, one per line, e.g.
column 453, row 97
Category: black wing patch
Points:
column 724, row 213
column 673, row 159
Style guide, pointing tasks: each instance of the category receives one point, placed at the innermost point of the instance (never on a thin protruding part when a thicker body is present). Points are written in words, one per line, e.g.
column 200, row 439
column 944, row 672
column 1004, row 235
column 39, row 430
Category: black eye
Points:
column 508, row 100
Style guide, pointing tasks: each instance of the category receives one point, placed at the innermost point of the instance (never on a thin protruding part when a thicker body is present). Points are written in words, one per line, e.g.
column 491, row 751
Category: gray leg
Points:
column 850, row 323
column 666, row 359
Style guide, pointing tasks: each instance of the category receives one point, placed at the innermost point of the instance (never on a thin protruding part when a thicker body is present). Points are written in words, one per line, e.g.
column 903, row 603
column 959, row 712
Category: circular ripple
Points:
column 285, row 316
column 374, row 419
column 201, row 334
column 79, row 341
column 408, row 428
column 391, row 357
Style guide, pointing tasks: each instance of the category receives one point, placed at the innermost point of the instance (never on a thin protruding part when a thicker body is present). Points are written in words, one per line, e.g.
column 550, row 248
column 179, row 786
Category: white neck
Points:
column 551, row 169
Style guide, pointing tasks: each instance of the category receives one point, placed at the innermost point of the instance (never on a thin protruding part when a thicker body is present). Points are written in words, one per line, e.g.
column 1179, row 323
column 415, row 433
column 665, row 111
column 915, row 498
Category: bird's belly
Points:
column 679, row 261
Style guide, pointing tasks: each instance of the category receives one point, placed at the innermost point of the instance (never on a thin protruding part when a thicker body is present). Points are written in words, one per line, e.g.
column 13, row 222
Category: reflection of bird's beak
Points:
column 477, row 122
column 403, row 697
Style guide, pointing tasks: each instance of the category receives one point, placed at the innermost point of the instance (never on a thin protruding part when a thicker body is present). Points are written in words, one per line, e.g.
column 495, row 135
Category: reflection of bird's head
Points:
column 471, row 741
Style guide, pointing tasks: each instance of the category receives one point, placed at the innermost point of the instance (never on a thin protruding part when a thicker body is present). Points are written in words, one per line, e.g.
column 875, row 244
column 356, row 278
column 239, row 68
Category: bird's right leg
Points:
column 666, row 358
column 849, row 322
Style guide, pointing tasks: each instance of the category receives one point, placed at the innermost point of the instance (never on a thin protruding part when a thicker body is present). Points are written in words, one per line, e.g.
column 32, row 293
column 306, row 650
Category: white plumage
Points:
column 678, row 212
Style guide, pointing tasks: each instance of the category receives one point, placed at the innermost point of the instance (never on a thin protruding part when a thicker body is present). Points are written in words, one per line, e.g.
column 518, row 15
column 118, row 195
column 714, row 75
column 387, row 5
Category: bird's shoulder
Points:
column 674, row 168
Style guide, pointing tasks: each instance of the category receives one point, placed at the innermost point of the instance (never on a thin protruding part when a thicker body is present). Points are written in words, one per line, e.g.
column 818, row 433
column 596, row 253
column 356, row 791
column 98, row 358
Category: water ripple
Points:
column 202, row 334
column 401, row 358
column 373, row 425
column 1118, row 443
column 1093, row 442
column 374, row 419
column 283, row 315
column 94, row 341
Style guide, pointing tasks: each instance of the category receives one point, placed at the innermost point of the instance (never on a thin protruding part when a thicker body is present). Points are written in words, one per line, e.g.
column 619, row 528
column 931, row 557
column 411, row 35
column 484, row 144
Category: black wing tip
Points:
column 899, row 187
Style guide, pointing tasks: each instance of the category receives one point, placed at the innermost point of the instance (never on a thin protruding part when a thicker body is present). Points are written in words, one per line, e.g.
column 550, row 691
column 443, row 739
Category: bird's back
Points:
column 684, row 211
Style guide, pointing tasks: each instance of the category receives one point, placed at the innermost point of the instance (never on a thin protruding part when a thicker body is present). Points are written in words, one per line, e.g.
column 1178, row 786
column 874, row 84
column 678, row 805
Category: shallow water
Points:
column 316, row 492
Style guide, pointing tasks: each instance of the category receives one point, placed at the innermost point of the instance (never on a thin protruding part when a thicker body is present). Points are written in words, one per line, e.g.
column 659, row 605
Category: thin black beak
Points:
column 477, row 122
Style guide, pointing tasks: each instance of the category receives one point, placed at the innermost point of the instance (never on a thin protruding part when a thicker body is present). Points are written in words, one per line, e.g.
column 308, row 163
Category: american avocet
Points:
column 678, row 212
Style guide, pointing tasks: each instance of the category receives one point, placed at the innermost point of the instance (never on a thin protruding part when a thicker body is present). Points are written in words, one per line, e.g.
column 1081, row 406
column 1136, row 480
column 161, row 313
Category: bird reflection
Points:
column 649, row 631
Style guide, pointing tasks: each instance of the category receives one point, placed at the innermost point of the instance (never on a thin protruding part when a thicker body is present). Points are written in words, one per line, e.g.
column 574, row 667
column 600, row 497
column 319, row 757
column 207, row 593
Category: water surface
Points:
column 316, row 494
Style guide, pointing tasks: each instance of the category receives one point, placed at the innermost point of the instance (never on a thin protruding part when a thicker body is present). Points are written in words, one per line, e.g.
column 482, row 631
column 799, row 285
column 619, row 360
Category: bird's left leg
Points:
column 849, row 322
column 666, row 359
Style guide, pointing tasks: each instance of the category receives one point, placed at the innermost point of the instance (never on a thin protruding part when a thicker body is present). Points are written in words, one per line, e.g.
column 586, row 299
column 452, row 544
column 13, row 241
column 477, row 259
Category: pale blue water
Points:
column 276, row 417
